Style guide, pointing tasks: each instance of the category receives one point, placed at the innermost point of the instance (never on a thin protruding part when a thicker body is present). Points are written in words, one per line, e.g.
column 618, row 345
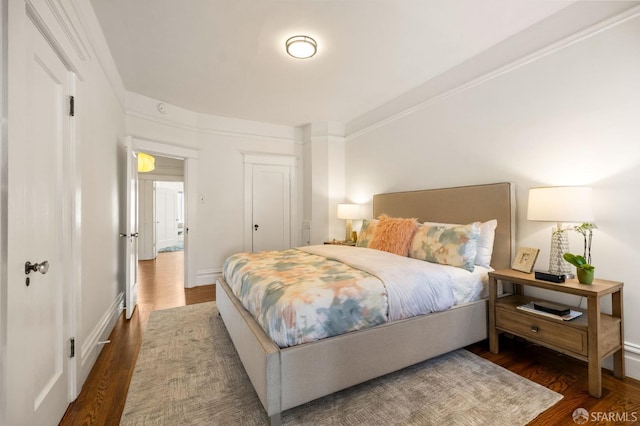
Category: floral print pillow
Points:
column 446, row 245
column 366, row 232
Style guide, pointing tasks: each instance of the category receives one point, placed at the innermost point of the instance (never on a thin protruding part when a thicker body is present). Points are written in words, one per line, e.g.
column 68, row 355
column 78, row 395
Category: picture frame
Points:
column 525, row 259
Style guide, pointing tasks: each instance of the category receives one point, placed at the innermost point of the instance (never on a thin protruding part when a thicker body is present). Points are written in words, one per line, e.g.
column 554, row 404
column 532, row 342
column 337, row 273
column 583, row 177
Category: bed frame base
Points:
column 289, row 377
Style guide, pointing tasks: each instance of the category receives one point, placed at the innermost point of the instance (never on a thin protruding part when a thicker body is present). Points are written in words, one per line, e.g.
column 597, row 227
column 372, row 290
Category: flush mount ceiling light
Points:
column 301, row 47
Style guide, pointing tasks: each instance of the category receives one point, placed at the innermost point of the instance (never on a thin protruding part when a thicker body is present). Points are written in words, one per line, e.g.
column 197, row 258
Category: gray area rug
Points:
column 188, row 373
column 177, row 247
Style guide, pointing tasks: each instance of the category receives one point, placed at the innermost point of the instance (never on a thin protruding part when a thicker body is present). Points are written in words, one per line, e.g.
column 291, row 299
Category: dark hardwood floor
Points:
column 160, row 286
column 567, row 376
column 103, row 395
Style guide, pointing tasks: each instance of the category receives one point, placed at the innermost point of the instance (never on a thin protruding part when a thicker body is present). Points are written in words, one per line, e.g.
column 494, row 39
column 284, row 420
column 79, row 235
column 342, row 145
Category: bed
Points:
column 285, row 377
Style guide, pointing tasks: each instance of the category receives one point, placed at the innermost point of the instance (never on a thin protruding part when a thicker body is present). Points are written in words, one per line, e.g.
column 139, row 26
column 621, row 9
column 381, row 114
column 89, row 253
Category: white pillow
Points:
column 485, row 240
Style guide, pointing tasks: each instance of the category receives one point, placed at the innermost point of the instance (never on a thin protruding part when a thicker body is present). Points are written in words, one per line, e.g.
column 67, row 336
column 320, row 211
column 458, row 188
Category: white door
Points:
column 166, row 217
column 38, row 338
column 271, row 207
column 131, row 234
column 146, row 220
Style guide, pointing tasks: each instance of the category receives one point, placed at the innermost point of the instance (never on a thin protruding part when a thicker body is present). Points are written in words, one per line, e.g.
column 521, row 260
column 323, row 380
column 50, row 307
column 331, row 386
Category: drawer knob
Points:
column 534, row 329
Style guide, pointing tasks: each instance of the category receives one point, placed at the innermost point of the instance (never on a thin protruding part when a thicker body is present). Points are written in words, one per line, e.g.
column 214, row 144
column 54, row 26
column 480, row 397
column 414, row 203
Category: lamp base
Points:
column 560, row 246
column 349, row 227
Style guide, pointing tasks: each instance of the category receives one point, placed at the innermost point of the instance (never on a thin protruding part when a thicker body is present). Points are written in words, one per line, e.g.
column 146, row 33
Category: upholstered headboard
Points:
column 463, row 204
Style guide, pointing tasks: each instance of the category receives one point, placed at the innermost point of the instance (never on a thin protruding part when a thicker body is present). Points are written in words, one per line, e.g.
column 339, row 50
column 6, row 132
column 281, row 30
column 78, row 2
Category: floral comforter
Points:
column 306, row 294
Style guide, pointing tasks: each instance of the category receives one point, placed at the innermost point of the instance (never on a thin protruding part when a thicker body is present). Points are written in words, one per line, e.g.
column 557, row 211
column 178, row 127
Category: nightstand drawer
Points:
column 542, row 330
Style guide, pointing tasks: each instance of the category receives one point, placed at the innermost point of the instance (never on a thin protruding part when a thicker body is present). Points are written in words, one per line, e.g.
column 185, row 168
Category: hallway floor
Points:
column 160, row 286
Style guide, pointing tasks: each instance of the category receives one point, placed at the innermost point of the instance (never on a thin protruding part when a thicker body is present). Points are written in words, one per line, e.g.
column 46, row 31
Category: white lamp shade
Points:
column 560, row 204
column 349, row 211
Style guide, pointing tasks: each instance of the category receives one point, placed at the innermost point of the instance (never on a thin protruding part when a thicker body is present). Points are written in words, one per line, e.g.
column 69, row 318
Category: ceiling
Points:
column 227, row 57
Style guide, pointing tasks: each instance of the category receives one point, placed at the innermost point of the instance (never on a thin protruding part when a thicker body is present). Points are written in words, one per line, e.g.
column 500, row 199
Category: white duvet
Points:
column 414, row 287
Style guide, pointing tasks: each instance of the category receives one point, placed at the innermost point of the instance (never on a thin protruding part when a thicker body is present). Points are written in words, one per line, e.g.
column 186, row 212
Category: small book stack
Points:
column 551, row 310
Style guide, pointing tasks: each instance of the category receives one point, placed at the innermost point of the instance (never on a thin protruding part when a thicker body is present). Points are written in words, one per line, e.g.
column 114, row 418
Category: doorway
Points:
column 169, row 216
column 162, row 216
column 174, row 164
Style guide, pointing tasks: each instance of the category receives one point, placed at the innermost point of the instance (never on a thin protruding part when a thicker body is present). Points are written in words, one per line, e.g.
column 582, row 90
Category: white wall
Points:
column 220, row 143
column 570, row 117
column 102, row 165
column 3, row 209
column 324, row 180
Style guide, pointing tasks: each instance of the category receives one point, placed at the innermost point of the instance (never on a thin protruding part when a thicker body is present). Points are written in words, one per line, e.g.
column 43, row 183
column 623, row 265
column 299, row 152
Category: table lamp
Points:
column 560, row 204
column 349, row 212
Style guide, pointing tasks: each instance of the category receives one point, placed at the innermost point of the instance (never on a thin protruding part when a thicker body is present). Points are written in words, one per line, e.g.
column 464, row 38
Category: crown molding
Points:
column 358, row 127
column 146, row 108
column 86, row 26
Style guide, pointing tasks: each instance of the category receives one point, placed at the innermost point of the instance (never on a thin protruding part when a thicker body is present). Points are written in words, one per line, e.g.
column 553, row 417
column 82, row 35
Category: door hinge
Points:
column 73, row 348
column 72, row 106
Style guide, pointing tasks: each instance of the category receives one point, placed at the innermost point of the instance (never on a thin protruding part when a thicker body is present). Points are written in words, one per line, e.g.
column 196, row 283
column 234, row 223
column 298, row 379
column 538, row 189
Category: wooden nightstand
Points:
column 591, row 337
column 341, row 243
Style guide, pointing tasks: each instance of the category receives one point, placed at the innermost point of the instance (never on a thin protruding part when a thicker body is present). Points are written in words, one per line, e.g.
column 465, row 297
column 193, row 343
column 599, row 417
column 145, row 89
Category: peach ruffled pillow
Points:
column 393, row 235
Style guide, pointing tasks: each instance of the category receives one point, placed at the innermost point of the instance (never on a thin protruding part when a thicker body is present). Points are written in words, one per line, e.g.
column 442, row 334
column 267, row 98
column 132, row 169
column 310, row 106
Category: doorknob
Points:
column 123, row 235
column 41, row 267
column 256, row 226
column 135, row 235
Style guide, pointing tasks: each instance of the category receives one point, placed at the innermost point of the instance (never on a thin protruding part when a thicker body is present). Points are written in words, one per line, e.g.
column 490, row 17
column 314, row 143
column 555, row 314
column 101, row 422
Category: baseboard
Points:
column 207, row 276
column 632, row 360
column 90, row 349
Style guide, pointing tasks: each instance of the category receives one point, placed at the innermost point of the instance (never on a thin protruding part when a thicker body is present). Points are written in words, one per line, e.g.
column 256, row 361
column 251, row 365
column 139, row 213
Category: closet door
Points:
column 39, row 343
column 271, row 212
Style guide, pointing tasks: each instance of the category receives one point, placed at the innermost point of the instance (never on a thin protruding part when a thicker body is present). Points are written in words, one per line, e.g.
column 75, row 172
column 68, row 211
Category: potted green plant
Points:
column 584, row 270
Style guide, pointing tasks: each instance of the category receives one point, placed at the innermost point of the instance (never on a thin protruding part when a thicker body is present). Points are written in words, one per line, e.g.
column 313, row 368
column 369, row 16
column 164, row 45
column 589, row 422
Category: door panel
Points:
column 167, row 217
column 271, row 207
column 146, row 220
column 38, row 340
column 131, row 287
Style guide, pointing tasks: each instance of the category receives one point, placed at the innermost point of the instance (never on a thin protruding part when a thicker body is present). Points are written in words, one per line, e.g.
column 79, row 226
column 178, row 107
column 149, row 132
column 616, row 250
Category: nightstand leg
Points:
column 493, row 333
column 518, row 289
column 618, row 356
column 595, row 361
